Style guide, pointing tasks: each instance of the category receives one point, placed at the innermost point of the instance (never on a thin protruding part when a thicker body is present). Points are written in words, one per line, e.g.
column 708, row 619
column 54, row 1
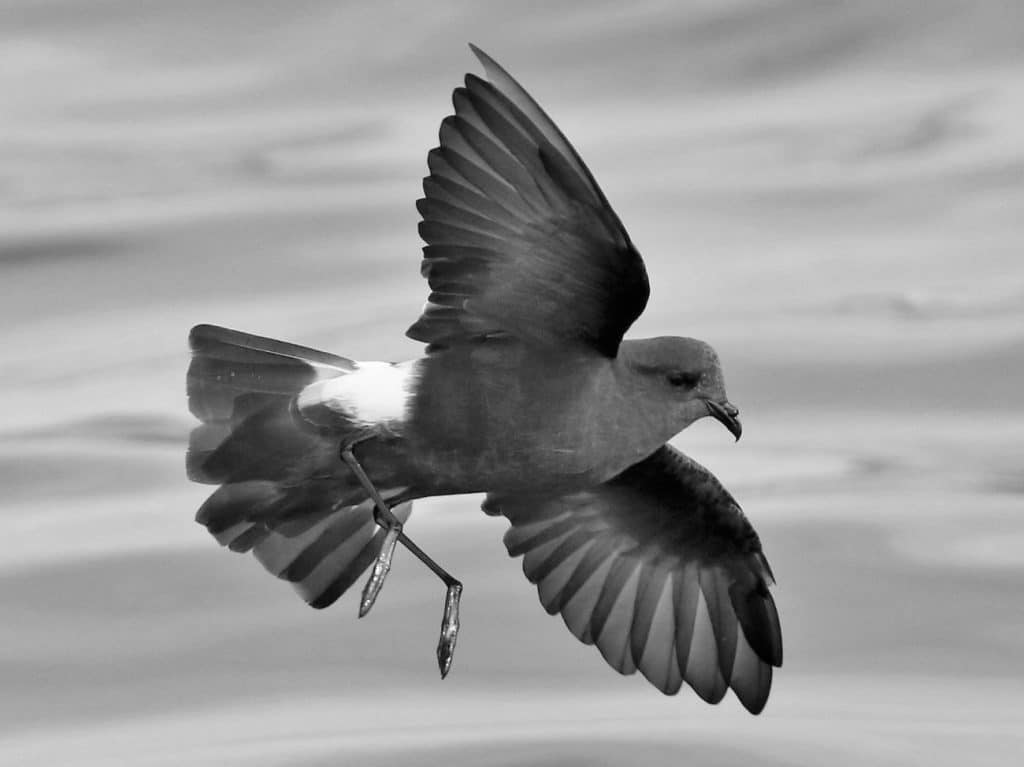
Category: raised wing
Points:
column 520, row 239
column 662, row 571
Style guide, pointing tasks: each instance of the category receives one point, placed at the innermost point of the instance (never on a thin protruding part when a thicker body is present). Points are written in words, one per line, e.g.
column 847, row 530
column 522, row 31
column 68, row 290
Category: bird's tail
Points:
column 243, row 387
column 284, row 493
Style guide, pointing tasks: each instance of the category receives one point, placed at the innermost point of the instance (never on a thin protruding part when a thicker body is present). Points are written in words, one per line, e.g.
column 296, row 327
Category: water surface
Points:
column 830, row 193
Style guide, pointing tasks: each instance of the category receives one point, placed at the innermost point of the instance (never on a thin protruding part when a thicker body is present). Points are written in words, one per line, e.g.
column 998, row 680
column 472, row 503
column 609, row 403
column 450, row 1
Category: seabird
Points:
column 527, row 392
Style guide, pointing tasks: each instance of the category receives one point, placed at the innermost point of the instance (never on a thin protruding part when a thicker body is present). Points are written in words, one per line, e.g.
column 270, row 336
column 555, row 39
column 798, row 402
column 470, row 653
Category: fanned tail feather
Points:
column 284, row 494
column 321, row 550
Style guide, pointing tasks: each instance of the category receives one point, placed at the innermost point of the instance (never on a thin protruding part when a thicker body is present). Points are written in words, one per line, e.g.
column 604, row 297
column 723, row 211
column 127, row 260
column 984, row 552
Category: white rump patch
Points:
column 375, row 393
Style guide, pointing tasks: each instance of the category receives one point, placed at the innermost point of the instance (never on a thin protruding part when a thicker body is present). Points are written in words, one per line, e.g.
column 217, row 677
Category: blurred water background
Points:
column 831, row 193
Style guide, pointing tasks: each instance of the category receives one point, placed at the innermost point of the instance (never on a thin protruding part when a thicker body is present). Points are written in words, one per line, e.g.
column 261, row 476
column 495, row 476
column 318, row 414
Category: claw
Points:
column 449, row 629
column 381, row 567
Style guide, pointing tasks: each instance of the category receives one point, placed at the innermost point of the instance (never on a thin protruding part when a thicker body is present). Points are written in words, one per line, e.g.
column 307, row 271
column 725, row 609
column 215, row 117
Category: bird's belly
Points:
column 447, row 472
column 518, row 456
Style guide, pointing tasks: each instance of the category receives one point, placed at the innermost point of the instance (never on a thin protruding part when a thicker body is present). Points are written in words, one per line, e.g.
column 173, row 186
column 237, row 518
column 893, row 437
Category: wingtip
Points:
column 753, row 691
column 756, row 704
column 491, row 67
column 200, row 334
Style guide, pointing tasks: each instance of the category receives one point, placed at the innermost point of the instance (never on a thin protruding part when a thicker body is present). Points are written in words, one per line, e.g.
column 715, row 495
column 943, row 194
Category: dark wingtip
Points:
column 489, row 64
column 199, row 334
column 755, row 704
column 759, row 619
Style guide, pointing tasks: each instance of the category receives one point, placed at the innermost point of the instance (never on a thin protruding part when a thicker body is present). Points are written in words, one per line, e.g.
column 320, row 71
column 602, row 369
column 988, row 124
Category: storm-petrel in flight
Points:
column 526, row 392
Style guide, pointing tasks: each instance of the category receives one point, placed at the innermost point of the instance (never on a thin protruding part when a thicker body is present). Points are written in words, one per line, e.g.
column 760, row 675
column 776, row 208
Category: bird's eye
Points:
column 683, row 379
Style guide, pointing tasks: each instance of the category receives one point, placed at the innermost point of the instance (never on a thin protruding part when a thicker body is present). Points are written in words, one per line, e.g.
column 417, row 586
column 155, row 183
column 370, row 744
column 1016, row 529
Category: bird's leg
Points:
column 393, row 526
column 385, row 518
column 450, row 617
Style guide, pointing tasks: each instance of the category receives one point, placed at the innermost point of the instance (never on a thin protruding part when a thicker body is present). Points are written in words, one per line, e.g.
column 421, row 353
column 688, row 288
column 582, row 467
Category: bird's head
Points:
column 684, row 376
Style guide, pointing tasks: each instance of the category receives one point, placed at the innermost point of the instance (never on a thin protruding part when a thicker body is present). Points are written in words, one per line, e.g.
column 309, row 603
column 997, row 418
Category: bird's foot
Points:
column 449, row 628
column 381, row 567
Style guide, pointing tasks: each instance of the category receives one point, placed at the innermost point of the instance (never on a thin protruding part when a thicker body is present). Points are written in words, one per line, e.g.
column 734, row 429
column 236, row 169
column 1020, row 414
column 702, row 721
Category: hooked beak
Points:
column 728, row 414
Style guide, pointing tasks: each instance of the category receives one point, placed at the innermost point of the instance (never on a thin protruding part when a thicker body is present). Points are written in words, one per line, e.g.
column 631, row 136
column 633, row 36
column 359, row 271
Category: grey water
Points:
column 832, row 194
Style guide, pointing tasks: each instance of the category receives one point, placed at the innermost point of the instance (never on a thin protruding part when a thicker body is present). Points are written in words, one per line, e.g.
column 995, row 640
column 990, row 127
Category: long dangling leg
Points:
column 393, row 527
column 450, row 617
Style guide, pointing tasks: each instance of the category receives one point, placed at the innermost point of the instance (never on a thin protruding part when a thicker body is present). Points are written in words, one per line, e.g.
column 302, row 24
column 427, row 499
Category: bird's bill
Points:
column 728, row 414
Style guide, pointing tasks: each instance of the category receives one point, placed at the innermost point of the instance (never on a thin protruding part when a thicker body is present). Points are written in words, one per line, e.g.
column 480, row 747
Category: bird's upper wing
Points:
column 520, row 239
column 661, row 570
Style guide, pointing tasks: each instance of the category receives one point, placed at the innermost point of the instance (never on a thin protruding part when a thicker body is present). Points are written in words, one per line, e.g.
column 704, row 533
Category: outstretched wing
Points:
column 520, row 239
column 662, row 571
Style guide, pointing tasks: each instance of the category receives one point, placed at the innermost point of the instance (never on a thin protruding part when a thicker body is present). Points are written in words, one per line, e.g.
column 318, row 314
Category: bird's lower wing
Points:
column 661, row 570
